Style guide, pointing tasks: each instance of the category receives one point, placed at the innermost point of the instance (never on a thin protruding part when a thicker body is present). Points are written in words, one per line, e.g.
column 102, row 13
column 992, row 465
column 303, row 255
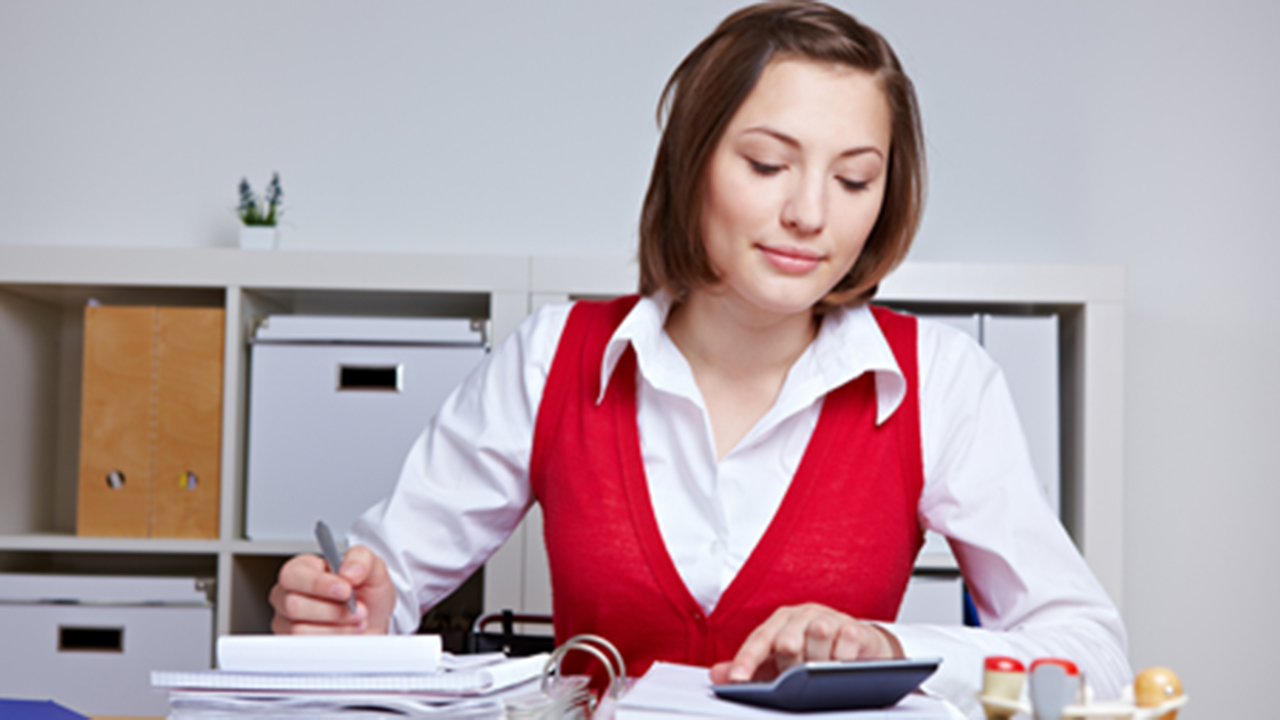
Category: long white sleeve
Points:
column 1034, row 593
column 464, row 486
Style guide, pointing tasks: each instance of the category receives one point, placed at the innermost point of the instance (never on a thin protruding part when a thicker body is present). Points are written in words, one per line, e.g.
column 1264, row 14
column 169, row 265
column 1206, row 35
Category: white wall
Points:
column 1137, row 133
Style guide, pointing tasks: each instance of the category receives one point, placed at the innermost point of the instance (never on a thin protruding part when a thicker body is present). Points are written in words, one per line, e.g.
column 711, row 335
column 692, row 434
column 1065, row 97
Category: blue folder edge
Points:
column 36, row 710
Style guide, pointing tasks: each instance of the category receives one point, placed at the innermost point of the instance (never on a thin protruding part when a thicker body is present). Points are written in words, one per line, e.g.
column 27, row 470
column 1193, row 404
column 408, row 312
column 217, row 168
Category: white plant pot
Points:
column 258, row 237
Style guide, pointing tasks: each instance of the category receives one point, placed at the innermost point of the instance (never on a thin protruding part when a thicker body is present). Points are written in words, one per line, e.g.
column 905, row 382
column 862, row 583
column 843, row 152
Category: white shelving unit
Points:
column 43, row 291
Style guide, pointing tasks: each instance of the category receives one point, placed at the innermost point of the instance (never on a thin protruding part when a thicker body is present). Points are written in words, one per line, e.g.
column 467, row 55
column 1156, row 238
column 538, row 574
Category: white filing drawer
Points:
column 335, row 404
column 91, row 642
column 934, row 600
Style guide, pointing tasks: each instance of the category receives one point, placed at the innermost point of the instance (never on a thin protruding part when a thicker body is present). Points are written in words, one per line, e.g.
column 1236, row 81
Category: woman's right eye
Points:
column 764, row 168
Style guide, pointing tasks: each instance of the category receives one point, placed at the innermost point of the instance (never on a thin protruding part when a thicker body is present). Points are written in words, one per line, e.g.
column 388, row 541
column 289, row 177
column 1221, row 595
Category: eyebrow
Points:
column 792, row 142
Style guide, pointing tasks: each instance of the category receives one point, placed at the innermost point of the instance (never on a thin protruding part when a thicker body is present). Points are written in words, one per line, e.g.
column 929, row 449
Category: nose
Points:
column 805, row 212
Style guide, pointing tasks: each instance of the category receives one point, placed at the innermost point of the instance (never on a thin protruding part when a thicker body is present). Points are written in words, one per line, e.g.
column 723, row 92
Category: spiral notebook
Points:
column 459, row 682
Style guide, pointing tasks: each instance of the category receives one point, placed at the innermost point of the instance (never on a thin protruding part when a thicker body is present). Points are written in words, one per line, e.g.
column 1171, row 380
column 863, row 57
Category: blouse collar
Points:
column 849, row 343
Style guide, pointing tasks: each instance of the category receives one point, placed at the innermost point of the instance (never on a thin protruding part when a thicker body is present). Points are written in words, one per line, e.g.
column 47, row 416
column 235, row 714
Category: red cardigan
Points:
column 846, row 533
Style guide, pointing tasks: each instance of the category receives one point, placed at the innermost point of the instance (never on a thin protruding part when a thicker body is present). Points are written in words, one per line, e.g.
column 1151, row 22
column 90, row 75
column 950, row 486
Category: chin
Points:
column 792, row 297
column 787, row 304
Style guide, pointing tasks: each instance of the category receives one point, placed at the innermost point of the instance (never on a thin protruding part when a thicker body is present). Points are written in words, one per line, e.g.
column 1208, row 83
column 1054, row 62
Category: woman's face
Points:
column 795, row 185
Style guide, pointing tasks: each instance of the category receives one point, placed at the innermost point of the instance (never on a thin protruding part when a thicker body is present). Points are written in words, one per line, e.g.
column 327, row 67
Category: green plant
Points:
column 266, row 212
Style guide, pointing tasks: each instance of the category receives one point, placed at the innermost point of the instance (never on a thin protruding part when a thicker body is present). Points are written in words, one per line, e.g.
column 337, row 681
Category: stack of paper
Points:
column 346, row 677
column 672, row 691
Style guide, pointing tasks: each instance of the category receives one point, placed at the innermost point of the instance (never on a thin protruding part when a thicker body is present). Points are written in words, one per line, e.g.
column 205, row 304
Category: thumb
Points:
column 372, row 584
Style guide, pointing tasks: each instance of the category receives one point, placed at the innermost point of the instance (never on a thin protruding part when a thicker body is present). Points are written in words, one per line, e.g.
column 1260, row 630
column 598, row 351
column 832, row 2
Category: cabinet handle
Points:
column 91, row 639
column 366, row 377
column 115, row 479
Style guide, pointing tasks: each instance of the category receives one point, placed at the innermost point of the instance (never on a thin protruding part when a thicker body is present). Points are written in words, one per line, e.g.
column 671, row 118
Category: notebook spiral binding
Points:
column 568, row 697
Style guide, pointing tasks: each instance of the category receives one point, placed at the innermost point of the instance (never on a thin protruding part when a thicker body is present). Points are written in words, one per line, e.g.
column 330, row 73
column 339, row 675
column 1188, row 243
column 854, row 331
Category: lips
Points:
column 792, row 261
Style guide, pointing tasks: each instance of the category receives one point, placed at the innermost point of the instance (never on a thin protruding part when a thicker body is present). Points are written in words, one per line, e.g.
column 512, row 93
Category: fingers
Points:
column 298, row 607
column 805, row 633
column 888, row 648
column 857, row 641
column 819, row 636
column 283, row 626
column 308, row 599
column 309, row 575
column 760, row 646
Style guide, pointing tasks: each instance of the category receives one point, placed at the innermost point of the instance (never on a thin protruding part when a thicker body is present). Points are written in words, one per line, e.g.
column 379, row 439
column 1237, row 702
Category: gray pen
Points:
column 330, row 550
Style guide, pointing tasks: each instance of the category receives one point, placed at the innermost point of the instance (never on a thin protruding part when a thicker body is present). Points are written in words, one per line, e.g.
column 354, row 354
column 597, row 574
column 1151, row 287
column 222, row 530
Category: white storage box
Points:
column 91, row 642
column 334, row 406
column 933, row 600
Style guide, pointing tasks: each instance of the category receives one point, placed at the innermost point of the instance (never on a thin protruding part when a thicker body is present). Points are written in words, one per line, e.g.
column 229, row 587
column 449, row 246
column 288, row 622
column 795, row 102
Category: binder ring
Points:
column 591, row 644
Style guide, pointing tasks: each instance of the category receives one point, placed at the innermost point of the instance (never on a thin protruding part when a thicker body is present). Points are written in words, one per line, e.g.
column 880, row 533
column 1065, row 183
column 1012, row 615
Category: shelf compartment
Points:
column 252, row 577
column 41, row 346
column 378, row 303
column 110, row 561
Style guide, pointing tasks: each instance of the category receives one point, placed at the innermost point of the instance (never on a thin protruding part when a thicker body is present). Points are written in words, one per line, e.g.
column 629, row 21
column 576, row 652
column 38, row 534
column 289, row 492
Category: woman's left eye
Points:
column 764, row 168
column 853, row 185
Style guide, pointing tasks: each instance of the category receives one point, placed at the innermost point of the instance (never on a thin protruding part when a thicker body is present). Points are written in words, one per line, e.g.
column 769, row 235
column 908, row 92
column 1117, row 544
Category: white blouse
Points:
column 465, row 486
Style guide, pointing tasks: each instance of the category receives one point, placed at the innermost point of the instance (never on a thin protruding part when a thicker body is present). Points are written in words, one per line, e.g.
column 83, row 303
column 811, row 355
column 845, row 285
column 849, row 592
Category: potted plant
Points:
column 259, row 216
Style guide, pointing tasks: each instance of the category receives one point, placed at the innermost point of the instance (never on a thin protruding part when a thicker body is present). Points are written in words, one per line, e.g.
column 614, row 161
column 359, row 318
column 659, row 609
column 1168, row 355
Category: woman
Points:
column 736, row 466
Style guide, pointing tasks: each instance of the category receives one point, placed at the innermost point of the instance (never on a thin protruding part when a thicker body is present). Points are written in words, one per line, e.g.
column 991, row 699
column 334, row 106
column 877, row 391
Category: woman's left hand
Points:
column 803, row 633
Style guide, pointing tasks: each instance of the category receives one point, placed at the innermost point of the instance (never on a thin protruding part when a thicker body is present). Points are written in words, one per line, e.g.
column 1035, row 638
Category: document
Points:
column 564, row 698
column 473, row 687
column 671, row 690
column 406, row 654
column 338, row 706
column 463, row 682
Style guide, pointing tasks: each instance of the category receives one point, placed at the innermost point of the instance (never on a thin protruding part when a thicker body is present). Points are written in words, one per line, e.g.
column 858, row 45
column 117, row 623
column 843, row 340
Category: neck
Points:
column 715, row 333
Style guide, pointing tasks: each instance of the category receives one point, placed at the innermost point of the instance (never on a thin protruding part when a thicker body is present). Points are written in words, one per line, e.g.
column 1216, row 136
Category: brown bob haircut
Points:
column 708, row 88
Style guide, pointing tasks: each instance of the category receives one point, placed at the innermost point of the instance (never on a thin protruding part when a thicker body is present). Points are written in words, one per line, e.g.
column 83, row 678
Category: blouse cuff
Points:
column 959, row 676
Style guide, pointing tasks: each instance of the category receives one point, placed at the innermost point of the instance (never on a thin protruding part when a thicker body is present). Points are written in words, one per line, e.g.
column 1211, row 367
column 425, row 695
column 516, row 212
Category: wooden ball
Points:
column 1157, row 685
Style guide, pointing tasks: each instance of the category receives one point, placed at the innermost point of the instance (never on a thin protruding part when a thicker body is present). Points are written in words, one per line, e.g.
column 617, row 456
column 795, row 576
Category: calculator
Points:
column 835, row 685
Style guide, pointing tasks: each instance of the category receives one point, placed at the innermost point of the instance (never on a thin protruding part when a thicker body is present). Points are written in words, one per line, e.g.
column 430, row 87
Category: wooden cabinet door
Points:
column 115, row 422
column 151, row 422
column 189, row 422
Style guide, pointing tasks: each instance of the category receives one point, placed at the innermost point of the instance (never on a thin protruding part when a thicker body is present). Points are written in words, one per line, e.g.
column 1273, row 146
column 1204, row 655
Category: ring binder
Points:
column 570, row 696
column 617, row 676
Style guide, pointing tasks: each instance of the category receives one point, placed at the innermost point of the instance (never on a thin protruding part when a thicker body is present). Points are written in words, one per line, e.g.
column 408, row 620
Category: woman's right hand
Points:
column 310, row 600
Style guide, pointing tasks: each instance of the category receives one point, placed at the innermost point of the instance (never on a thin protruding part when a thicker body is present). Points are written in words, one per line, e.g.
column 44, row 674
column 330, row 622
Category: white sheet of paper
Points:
column 671, row 690
column 329, row 653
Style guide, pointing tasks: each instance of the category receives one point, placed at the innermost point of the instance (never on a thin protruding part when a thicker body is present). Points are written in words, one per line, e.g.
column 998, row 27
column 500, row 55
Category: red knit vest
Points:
column 845, row 535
